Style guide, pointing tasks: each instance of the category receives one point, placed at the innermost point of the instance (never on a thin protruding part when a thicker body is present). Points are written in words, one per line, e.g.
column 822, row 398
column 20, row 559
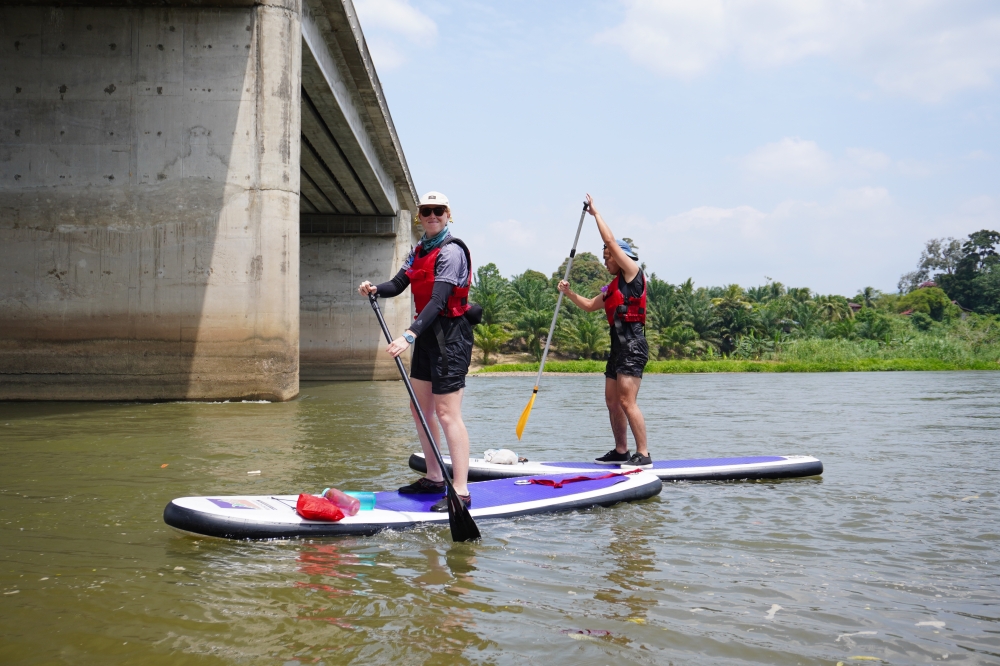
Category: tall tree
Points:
column 973, row 284
column 939, row 254
column 587, row 276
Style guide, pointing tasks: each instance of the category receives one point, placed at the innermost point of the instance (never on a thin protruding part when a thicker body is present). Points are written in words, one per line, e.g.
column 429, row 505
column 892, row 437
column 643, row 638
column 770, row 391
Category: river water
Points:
column 891, row 555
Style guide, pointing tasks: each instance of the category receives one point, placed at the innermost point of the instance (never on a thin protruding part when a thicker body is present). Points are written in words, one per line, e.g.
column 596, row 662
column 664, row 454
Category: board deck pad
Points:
column 694, row 469
column 274, row 516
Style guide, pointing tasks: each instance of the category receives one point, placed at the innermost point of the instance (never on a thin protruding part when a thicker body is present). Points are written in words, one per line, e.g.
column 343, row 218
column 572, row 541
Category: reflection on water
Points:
column 891, row 555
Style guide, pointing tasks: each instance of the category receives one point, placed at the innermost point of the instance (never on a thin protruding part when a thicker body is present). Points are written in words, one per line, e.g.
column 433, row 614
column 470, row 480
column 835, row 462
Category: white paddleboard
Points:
column 274, row 516
column 695, row 469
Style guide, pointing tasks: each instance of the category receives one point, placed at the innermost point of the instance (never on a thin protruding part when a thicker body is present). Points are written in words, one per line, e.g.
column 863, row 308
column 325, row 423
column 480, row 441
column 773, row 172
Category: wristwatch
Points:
column 408, row 337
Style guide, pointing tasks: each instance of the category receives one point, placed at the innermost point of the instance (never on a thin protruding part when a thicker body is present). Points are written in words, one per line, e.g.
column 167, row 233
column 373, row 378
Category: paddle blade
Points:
column 463, row 527
column 523, row 421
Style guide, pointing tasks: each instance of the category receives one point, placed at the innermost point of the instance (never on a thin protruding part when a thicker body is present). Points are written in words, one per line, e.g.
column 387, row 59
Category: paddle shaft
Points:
column 413, row 396
column 555, row 315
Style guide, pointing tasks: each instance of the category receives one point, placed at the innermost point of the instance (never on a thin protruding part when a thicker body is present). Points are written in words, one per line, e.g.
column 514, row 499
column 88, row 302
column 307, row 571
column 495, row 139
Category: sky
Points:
column 818, row 143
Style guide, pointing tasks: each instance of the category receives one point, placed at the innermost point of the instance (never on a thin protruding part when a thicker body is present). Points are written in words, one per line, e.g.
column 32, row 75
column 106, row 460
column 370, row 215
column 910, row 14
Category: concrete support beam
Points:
column 341, row 339
column 348, row 225
column 334, row 122
column 149, row 208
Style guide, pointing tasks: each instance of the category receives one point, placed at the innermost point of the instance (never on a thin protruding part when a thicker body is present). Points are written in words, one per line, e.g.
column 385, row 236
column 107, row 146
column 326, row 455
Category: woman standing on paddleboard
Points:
column 624, row 303
column 439, row 272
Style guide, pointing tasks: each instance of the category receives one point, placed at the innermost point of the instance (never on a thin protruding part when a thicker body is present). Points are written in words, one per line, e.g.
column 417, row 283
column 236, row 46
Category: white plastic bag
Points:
column 500, row 456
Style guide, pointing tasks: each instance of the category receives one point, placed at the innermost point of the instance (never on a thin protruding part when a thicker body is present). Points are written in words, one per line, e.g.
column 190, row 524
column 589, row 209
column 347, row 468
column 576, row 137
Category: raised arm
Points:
column 629, row 268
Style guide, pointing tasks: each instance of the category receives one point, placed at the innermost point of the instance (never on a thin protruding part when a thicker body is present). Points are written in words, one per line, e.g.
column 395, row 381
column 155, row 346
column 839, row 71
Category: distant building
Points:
column 929, row 283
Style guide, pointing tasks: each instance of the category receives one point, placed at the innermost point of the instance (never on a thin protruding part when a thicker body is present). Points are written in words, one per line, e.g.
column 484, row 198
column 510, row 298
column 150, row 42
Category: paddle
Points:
column 523, row 421
column 463, row 527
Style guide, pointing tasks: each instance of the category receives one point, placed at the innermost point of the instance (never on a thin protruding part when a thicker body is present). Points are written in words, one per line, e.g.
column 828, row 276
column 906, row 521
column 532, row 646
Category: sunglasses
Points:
column 436, row 210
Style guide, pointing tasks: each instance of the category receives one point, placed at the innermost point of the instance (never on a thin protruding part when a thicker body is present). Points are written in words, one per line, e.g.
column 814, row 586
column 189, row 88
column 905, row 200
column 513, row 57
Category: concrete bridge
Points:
column 189, row 192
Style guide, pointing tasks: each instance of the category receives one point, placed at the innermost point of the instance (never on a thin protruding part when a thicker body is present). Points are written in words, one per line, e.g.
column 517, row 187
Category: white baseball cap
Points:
column 433, row 199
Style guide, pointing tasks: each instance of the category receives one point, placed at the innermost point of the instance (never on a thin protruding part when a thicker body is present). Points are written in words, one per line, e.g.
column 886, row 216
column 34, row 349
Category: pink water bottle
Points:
column 349, row 505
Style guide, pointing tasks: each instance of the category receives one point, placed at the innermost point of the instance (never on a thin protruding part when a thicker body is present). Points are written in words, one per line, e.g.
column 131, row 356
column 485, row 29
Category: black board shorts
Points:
column 448, row 376
column 630, row 358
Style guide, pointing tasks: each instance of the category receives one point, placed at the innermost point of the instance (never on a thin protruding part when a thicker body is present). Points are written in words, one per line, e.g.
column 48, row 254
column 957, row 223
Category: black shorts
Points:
column 427, row 366
column 628, row 359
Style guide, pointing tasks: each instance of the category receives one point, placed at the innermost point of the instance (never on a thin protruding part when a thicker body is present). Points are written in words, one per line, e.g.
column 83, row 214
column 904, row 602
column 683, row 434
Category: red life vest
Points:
column 421, row 274
column 617, row 306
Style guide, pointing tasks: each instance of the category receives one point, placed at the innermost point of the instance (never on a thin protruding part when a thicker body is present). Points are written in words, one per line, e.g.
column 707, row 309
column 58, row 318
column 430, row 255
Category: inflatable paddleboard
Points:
column 697, row 469
column 274, row 516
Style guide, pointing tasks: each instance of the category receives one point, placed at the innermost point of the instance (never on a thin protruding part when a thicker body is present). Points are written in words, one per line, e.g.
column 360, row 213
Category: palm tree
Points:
column 833, row 308
column 699, row 313
column 736, row 315
column 663, row 306
column 531, row 291
column 490, row 338
column 868, row 296
column 678, row 342
column 765, row 293
column 800, row 294
column 533, row 327
column 806, row 316
column 585, row 333
column 489, row 289
column 845, row 328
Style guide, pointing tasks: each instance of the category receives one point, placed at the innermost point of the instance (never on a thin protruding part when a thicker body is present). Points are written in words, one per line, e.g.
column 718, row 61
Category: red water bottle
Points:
column 349, row 505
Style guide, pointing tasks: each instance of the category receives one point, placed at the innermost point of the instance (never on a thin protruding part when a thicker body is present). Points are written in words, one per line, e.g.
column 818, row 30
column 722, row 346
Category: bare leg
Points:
column 628, row 389
column 449, row 413
column 618, row 419
column 422, row 389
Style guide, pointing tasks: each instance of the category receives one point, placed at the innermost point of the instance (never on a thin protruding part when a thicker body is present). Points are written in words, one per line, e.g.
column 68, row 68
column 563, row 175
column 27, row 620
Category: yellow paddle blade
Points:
column 523, row 421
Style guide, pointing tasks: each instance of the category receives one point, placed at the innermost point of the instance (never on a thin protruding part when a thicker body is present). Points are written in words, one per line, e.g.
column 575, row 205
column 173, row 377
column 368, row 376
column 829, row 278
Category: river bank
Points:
column 920, row 353
column 687, row 366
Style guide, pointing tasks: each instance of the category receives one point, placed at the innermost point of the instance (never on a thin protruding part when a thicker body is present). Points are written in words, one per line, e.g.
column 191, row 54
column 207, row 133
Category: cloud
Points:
column 973, row 214
column 790, row 158
column 385, row 53
column 982, row 206
column 744, row 219
column 830, row 246
column 386, row 21
column 506, row 238
column 796, row 160
column 868, row 160
column 863, row 198
column 928, row 49
column 915, row 168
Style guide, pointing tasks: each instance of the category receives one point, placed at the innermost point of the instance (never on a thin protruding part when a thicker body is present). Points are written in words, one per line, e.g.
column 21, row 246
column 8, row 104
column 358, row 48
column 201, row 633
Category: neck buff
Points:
column 428, row 244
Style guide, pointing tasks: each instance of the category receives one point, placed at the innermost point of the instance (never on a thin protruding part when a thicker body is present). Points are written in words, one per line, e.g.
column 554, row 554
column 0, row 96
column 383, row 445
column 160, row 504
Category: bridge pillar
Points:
column 340, row 338
column 149, row 202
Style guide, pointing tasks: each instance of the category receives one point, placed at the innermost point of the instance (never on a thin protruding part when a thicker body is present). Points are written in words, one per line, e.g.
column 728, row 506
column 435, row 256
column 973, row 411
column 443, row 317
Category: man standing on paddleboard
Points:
column 439, row 272
column 624, row 303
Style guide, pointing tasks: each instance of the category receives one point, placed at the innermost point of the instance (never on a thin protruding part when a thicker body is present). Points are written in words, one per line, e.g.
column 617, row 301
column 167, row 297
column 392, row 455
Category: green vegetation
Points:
column 732, row 365
column 768, row 328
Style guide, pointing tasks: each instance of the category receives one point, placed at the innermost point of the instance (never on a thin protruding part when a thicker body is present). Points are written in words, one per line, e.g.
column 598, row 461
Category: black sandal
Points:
column 442, row 504
column 423, row 486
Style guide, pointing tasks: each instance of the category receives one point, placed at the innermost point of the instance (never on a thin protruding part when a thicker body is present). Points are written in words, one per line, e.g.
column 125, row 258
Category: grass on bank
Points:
column 813, row 355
